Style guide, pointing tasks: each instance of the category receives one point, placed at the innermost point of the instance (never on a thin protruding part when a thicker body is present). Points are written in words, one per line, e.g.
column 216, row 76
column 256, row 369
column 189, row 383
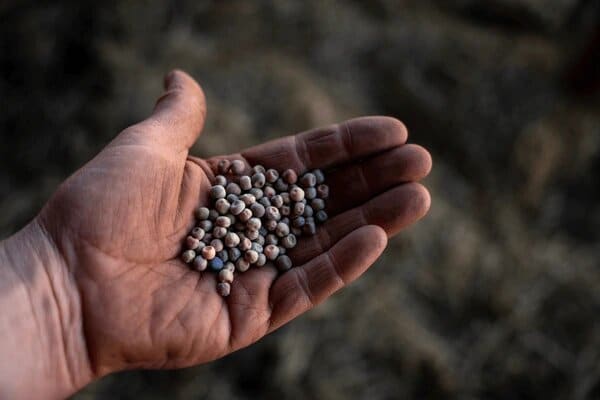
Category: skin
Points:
column 94, row 283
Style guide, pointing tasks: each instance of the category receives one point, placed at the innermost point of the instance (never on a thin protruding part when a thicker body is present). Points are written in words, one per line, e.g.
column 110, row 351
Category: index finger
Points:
column 331, row 145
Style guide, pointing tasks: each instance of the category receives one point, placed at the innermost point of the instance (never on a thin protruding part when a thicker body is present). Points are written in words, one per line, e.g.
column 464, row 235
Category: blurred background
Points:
column 496, row 294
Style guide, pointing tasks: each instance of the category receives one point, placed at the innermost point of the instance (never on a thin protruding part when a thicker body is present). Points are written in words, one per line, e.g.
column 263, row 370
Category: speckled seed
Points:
column 200, row 263
column 256, row 247
column 192, row 243
column 251, row 256
column 222, row 206
column 223, row 166
column 298, row 222
column 226, row 275
column 277, row 201
column 257, row 193
column 232, row 239
column 245, row 244
column 283, row 263
column 217, row 192
column 317, row 204
column 209, row 252
column 187, row 256
column 319, row 176
column 245, row 215
column 237, row 207
column 217, row 244
column 258, row 210
column 206, row 225
column 245, row 182
column 308, row 180
column 309, row 229
column 219, row 232
column 223, row 221
column 321, row 216
column 262, row 260
column 280, row 185
column 254, row 224
column 198, row 232
column 229, row 266
column 233, row 188
column 271, row 175
column 308, row 211
column 216, row 264
column 258, row 180
column 323, row 191
column 289, row 176
column 269, row 192
column 234, row 254
column 220, row 180
column 201, row 213
column 289, row 241
column 271, row 251
column 223, row 255
column 251, row 234
column 223, row 288
column 282, row 229
column 242, row 265
column 285, row 210
column 270, row 224
column 271, row 239
column 248, row 199
column 298, row 209
column 310, row 193
column 231, row 198
column 272, row 213
column 296, row 194
column 237, row 167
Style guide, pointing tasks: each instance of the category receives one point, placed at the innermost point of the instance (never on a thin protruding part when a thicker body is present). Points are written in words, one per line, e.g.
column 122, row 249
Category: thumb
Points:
column 178, row 116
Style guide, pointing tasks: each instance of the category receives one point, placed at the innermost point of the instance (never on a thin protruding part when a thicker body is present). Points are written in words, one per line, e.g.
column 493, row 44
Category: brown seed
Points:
column 201, row 213
column 220, row 180
column 222, row 206
column 251, row 256
column 308, row 180
column 245, row 244
column 237, row 167
column 323, row 191
column 317, row 204
column 219, row 232
column 187, row 256
column 232, row 239
column 277, row 201
column 258, row 210
column 269, row 192
column 258, row 180
column 289, row 176
column 237, row 207
column 271, row 251
column 223, row 166
column 296, row 194
column 217, row 244
column 192, row 243
column 271, row 175
column 198, row 232
column 223, row 221
column 233, row 188
column 242, row 265
column 283, row 263
column 298, row 209
column 245, row 215
column 225, row 275
column 200, row 263
column 217, row 192
column 245, row 182
column 289, row 241
column 209, row 252
column 319, row 175
column 223, row 288
column 286, row 197
column 272, row 213
column 282, row 229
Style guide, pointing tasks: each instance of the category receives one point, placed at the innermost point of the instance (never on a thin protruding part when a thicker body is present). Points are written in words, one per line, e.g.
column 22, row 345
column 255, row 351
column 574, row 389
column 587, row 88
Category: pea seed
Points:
column 201, row 213
column 321, row 216
column 252, row 235
column 264, row 201
column 209, row 252
column 251, row 256
column 258, row 180
column 320, row 177
column 219, row 232
column 258, row 210
column 220, row 180
column 277, row 201
column 285, row 210
column 223, row 166
column 286, row 197
column 271, row 251
column 289, row 176
column 200, row 263
column 192, row 242
column 262, row 260
column 323, row 191
column 289, row 241
column 283, row 263
column 232, row 239
column 223, row 221
column 270, row 224
column 257, row 247
column 213, row 214
column 198, row 232
column 223, row 255
column 217, row 192
column 222, row 206
column 257, row 193
column 272, row 213
column 298, row 222
column 231, row 198
column 245, row 215
column 298, row 209
column 229, row 266
column 308, row 211
column 271, row 175
column 216, row 264
column 233, row 188
column 258, row 169
column 234, row 254
column 245, row 182
column 280, row 185
column 237, row 167
column 254, row 224
column 310, row 193
column 269, row 192
column 237, row 207
column 187, row 256
column 271, row 239
column 245, row 244
column 248, row 199
column 308, row 180
column 225, row 275
column 242, row 265
column 317, row 204
column 282, row 229
column 217, row 244
column 207, row 238
column 206, row 225
column 223, row 288
column 296, row 194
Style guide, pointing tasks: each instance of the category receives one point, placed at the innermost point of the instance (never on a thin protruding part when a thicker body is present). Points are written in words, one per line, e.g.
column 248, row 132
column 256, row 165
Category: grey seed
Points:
column 298, row 222
column 200, row 263
column 237, row 167
column 285, row 220
column 289, row 176
column 198, row 232
column 258, row 180
column 285, row 210
column 223, row 166
column 260, row 239
column 223, row 255
column 192, row 243
column 271, row 251
column 245, row 244
column 201, row 213
column 298, row 209
column 319, row 175
column 248, row 199
column 317, row 204
column 245, row 182
column 308, row 211
column 251, row 256
column 309, row 229
column 229, row 266
column 286, row 197
column 310, row 193
column 233, row 188
column 289, row 241
column 245, row 215
column 308, row 180
column 269, row 192
column 257, row 193
column 296, row 194
column 277, row 201
column 187, row 256
column 226, row 275
column 271, row 239
column 213, row 214
column 223, row 288
column 254, row 224
column 202, row 245
column 234, row 254
column 271, row 175
column 232, row 239
column 222, row 206
column 321, row 216
column 323, row 191
column 217, row 192
column 282, row 229
column 217, row 244
column 296, row 231
column 258, row 169
column 237, row 207
column 207, row 238
column 263, row 231
column 223, row 221
column 209, row 252
column 272, row 213
column 262, row 260
column 219, row 232
column 239, row 226
column 220, row 180
column 280, row 185
column 283, row 263
column 242, row 265
column 206, row 225
column 264, row 201
column 282, row 250
column 258, row 210
column 251, row 234
column 270, row 224
column 231, row 198
column 257, row 247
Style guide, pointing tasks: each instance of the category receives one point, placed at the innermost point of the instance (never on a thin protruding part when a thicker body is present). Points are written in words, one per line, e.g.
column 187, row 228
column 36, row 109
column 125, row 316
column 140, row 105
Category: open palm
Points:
column 119, row 223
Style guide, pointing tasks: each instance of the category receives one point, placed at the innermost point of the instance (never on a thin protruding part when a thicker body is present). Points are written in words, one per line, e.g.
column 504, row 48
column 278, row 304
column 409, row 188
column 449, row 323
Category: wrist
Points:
column 43, row 349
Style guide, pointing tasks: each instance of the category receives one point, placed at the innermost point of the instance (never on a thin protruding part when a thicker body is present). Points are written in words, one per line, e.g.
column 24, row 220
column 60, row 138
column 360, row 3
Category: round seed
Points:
column 258, row 180
column 223, row 255
column 254, row 224
column 217, row 244
column 209, row 252
column 201, row 213
column 216, row 264
column 317, row 204
column 231, row 198
column 271, row 175
column 262, row 260
column 220, row 180
column 207, row 238
column 248, row 199
column 222, row 206
column 269, row 192
column 257, row 193
column 245, row 215
column 285, row 210
column 219, row 232
column 271, row 239
column 323, row 191
column 223, row 221
column 217, row 192
column 270, row 224
column 225, row 275
column 265, row 202
column 289, row 176
column 192, row 243
column 229, row 266
column 233, row 188
column 298, row 209
column 232, row 239
column 234, row 254
column 296, row 194
column 282, row 229
column 286, row 197
column 223, row 288
column 261, row 238
column 257, row 247
column 237, row 207
column 237, row 167
column 271, row 251
column 213, row 214
column 200, row 263
column 223, row 166
column 298, row 222
column 277, row 201
column 258, row 210
column 283, row 263
column 310, row 193
column 308, row 180
column 321, row 216
column 320, row 177
column 198, row 232
column 251, row 234
column 289, row 241
column 280, row 185
column 245, row 182
column 285, row 220
column 251, row 256
column 242, row 265
column 272, row 213
column 282, row 250
column 308, row 211
column 245, row 244
column 187, row 256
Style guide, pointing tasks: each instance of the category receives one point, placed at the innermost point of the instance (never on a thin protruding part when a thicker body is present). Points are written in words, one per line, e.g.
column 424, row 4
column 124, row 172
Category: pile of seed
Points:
column 254, row 219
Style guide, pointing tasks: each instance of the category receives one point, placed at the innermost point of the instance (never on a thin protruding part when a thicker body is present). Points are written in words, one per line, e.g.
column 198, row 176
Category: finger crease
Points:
column 305, row 286
column 302, row 152
column 336, row 269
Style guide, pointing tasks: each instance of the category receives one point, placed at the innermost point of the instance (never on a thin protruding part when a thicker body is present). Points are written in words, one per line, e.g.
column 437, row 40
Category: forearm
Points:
column 42, row 345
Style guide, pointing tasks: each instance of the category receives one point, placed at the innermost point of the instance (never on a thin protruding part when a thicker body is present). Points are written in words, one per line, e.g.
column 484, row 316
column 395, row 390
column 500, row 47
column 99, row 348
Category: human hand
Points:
column 118, row 223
